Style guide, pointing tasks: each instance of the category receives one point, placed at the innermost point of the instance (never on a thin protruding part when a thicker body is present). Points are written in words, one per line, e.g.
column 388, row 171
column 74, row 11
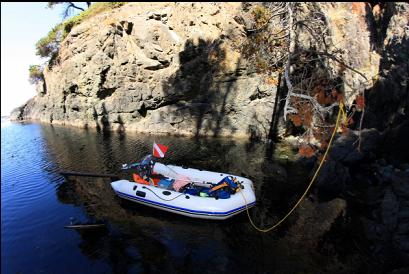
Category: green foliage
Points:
column 48, row 46
column 261, row 15
column 35, row 74
column 93, row 10
column 265, row 44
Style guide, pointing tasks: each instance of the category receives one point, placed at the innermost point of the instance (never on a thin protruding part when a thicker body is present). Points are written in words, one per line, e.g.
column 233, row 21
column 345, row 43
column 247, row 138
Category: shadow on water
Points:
column 141, row 239
column 144, row 239
column 103, row 120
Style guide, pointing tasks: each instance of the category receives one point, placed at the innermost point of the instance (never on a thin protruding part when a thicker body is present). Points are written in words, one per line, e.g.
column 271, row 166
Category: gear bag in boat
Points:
column 166, row 183
column 222, row 190
column 228, row 183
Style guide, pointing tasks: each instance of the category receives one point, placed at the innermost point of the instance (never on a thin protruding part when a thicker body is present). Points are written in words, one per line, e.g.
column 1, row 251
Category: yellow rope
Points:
column 343, row 117
column 341, row 111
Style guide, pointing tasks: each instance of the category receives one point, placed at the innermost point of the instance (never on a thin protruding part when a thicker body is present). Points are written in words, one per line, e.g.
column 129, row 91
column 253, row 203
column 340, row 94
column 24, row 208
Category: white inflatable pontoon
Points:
column 187, row 204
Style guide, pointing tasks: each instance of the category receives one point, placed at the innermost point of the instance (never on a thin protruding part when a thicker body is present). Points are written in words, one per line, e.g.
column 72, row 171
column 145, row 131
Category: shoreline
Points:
column 126, row 129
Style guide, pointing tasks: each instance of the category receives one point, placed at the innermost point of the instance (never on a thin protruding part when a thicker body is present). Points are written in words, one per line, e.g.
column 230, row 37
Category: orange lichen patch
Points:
column 326, row 98
column 319, row 94
column 304, row 114
column 358, row 8
column 271, row 81
column 303, row 117
column 307, row 114
column 296, row 119
column 306, row 151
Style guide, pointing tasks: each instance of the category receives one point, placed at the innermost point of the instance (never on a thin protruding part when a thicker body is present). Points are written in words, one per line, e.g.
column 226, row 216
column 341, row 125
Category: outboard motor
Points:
column 146, row 166
column 143, row 168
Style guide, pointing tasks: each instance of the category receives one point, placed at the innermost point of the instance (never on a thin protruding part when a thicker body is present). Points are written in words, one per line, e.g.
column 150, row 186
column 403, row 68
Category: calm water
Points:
column 36, row 203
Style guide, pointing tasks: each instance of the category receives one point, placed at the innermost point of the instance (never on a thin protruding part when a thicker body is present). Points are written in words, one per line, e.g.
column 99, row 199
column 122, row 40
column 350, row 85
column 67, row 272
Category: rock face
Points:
column 176, row 68
column 389, row 99
column 158, row 68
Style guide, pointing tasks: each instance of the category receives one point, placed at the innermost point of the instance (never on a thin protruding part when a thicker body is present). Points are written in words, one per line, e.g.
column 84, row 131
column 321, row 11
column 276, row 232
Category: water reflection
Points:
column 143, row 239
column 36, row 204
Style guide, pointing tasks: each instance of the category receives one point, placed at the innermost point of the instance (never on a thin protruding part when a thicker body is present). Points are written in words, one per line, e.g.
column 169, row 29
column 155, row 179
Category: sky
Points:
column 22, row 25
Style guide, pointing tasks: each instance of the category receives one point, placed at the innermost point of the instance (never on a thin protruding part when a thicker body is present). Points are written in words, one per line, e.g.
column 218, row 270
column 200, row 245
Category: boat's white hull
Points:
column 186, row 204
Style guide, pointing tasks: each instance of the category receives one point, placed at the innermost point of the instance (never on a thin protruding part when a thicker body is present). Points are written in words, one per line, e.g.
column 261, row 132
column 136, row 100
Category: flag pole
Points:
column 153, row 147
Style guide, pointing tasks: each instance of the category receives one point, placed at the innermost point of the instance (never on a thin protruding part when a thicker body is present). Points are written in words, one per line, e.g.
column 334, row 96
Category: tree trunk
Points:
column 74, row 6
column 287, row 108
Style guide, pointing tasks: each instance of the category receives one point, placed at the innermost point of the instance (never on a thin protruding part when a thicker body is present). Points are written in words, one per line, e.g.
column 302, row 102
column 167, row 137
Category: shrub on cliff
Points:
column 35, row 74
column 69, row 7
column 93, row 10
column 48, row 46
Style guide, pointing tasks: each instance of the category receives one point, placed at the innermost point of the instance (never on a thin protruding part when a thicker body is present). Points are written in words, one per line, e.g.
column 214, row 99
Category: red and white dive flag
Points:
column 159, row 150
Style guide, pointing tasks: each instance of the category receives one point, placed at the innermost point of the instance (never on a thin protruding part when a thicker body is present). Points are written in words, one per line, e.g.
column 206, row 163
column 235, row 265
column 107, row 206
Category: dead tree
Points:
column 295, row 39
column 69, row 6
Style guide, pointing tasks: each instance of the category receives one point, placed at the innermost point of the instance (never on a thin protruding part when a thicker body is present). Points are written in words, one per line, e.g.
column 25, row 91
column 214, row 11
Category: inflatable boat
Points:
column 186, row 191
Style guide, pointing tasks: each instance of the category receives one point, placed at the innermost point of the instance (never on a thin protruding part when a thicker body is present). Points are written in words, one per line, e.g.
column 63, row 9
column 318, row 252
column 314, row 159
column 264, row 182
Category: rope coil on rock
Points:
column 342, row 113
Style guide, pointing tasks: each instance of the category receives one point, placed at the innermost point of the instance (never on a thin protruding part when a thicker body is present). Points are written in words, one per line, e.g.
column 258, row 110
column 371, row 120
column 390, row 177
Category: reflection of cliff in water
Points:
column 150, row 240
column 275, row 177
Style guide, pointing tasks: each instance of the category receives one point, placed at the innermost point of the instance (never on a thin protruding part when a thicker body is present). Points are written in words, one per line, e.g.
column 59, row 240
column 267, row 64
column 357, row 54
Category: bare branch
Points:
column 287, row 108
column 341, row 62
column 74, row 6
column 313, row 87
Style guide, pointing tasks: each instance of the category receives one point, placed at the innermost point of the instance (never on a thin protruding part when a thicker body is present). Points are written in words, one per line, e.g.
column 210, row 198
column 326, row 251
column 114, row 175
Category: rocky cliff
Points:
column 177, row 68
column 158, row 68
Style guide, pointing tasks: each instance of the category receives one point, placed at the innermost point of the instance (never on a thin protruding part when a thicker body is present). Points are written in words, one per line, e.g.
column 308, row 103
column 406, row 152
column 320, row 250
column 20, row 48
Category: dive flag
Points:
column 159, row 150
